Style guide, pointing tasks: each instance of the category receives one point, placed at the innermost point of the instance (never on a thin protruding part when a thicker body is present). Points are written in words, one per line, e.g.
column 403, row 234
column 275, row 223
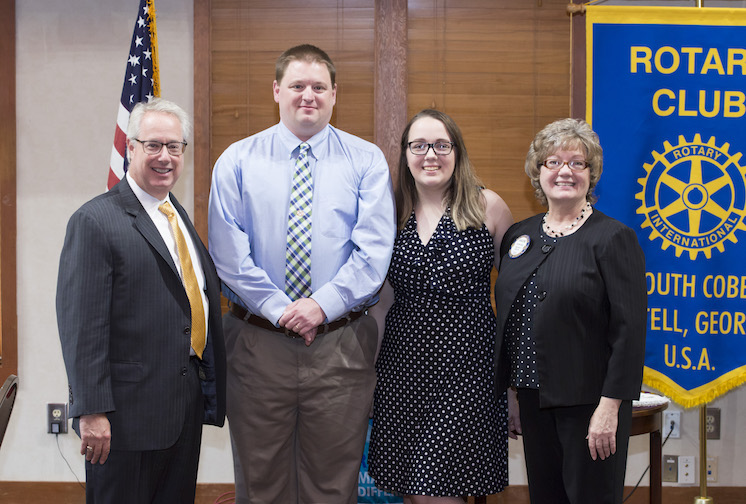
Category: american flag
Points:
column 141, row 83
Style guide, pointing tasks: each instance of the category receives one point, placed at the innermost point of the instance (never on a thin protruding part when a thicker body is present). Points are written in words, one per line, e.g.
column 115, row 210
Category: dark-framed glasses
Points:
column 556, row 164
column 421, row 148
column 153, row 147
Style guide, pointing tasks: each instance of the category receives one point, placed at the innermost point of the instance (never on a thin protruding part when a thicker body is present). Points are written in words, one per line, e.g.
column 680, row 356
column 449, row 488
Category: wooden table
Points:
column 648, row 420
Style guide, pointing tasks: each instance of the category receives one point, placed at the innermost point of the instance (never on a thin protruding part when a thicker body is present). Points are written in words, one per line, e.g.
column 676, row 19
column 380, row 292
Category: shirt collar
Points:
column 148, row 202
column 317, row 142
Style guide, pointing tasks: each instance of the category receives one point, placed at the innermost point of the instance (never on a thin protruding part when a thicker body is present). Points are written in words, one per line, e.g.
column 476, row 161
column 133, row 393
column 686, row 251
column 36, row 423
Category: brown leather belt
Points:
column 243, row 314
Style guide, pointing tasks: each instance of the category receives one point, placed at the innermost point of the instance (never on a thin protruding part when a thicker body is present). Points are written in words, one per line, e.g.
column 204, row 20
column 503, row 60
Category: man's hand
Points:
column 602, row 429
column 303, row 316
column 95, row 434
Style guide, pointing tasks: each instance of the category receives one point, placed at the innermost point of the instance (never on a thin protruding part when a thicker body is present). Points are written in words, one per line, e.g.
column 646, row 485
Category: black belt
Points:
column 243, row 314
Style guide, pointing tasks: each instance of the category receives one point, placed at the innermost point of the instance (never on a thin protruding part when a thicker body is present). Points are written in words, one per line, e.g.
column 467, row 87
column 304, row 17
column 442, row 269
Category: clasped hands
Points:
column 303, row 316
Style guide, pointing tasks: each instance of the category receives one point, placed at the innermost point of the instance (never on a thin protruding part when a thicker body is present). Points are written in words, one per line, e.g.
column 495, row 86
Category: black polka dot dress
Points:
column 438, row 428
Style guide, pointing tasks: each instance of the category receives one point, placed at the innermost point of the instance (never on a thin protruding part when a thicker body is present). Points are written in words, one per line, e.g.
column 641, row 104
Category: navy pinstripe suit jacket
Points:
column 124, row 322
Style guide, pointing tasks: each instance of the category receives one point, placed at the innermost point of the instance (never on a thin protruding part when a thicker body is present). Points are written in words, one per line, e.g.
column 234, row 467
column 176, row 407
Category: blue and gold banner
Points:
column 666, row 92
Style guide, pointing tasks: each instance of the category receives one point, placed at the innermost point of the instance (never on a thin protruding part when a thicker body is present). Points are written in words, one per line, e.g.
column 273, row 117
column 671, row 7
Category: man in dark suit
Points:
column 138, row 310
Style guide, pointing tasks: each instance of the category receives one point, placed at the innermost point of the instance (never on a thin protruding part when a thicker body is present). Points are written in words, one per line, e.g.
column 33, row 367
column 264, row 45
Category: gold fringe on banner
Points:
column 700, row 395
column 154, row 48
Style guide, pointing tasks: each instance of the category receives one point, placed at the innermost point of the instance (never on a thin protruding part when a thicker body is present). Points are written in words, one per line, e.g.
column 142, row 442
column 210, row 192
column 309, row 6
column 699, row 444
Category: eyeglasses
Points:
column 439, row 148
column 557, row 164
column 153, row 147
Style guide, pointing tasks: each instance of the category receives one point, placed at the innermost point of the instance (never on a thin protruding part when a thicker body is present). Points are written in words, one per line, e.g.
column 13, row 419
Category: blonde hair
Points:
column 463, row 196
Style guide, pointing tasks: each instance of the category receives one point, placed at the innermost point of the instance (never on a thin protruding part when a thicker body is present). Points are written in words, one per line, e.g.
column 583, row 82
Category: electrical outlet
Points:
column 713, row 423
column 672, row 423
column 57, row 418
column 712, row 469
column 686, row 469
column 670, row 468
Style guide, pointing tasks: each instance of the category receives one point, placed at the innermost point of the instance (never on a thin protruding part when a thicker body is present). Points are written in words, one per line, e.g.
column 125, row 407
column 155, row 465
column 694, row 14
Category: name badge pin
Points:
column 519, row 246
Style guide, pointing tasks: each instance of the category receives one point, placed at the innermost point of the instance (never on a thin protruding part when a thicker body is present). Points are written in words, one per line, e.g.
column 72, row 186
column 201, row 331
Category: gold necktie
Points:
column 190, row 281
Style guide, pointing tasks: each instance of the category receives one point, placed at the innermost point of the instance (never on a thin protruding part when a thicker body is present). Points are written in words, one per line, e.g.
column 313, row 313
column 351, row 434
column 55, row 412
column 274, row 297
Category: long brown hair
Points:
column 463, row 195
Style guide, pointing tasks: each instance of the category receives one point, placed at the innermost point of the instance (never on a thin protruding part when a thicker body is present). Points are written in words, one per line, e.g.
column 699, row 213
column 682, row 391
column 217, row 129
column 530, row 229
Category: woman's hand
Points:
column 514, row 417
column 602, row 429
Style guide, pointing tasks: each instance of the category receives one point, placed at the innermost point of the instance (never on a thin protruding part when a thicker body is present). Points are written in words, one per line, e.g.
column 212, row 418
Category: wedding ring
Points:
column 297, row 326
column 89, row 448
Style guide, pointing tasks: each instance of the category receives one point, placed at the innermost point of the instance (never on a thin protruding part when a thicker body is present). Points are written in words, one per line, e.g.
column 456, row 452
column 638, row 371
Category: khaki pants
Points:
column 299, row 415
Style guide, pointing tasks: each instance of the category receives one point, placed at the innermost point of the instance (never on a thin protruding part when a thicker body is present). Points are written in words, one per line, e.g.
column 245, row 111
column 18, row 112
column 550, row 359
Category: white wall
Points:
column 71, row 59
column 70, row 68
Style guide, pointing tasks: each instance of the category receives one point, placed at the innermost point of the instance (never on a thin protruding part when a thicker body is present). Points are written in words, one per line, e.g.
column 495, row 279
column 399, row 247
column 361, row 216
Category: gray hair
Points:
column 564, row 134
column 157, row 105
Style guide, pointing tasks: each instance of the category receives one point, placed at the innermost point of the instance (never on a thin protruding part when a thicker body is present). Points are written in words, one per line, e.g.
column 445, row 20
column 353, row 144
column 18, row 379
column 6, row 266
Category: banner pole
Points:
column 703, row 499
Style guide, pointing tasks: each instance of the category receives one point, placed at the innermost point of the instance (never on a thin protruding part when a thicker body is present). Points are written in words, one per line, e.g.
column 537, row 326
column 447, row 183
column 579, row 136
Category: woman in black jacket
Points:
column 571, row 306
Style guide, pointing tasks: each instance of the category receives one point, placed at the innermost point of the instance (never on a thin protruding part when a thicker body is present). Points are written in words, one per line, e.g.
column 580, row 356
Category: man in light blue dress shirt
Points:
column 301, row 372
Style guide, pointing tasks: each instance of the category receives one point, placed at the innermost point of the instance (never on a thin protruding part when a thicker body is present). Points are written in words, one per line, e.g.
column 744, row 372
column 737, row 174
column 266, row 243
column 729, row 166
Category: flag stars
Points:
column 144, row 72
column 133, row 79
column 134, row 60
column 138, row 41
column 140, row 22
column 147, row 54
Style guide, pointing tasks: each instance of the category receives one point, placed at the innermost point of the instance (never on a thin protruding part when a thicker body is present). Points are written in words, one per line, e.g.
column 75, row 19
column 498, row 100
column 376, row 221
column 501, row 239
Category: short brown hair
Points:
column 564, row 134
column 304, row 52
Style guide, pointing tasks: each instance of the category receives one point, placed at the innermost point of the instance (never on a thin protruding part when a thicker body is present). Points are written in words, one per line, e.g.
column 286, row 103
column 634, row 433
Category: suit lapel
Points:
column 144, row 224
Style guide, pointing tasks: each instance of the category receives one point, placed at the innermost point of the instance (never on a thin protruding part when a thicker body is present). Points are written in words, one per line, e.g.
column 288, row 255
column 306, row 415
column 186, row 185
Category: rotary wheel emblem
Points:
column 693, row 196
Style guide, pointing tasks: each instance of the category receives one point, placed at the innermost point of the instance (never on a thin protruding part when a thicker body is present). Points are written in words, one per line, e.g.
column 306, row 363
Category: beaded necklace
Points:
column 554, row 233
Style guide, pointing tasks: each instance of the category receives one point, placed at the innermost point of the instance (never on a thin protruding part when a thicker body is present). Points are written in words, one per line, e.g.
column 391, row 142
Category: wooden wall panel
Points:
column 390, row 105
column 8, row 300
column 501, row 70
column 23, row 492
column 499, row 67
column 246, row 37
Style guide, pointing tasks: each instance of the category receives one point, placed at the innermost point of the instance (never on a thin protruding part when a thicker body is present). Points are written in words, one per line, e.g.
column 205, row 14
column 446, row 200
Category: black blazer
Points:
column 124, row 321
column 589, row 325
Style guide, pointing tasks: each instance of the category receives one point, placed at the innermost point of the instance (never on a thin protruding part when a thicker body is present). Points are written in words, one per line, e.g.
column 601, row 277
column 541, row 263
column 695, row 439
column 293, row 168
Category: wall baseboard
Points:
column 35, row 492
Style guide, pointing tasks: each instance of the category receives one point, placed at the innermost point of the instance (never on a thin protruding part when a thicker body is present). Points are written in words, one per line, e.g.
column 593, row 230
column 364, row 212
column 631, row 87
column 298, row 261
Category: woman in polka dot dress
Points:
column 439, row 432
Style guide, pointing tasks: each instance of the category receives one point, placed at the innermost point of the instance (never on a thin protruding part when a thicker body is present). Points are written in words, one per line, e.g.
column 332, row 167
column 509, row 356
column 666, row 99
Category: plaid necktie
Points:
column 190, row 281
column 298, row 253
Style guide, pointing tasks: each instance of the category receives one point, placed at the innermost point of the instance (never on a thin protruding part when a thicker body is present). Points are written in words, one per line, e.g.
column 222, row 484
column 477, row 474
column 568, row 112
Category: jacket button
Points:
column 541, row 295
column 187, row 330
column 183, row 371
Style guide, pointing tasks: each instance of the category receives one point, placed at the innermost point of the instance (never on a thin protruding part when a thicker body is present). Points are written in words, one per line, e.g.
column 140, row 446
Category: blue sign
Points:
column 367, row 492
column 667, row 96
